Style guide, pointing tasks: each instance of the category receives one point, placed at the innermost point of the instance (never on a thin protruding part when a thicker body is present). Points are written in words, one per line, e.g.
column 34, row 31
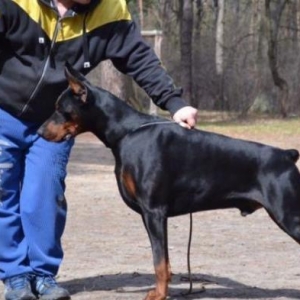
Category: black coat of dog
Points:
column 164, row 170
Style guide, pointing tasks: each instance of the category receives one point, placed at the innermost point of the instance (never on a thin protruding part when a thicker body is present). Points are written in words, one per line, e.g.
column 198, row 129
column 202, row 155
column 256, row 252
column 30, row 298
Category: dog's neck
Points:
column 114, row 119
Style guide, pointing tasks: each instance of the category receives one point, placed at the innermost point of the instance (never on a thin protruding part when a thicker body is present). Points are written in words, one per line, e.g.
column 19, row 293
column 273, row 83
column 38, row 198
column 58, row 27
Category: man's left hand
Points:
column 186, row 117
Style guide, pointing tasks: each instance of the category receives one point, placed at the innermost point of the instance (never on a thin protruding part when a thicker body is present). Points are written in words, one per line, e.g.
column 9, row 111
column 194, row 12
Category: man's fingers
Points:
column 191, row 122
column 186, row 117
column 185, row 125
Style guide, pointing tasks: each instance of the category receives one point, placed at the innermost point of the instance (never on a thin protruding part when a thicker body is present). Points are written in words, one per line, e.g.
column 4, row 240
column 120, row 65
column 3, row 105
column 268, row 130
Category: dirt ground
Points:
column 108, row 255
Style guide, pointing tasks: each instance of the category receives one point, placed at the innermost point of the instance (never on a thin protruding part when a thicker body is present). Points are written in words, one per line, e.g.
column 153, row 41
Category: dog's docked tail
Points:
column 292, row 154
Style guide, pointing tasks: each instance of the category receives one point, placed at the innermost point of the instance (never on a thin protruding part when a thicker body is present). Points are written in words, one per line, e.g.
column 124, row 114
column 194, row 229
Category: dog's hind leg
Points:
column 156, row 226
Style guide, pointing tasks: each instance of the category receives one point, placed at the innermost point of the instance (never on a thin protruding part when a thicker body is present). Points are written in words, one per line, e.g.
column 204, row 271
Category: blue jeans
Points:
column 32, row 203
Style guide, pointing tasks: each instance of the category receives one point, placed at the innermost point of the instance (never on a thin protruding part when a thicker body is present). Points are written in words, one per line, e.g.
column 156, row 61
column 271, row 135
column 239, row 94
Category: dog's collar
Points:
column 156, row 123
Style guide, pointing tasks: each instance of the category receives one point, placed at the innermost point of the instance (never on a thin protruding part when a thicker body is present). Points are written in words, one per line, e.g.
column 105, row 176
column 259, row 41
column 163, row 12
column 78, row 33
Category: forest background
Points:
column 238, row 56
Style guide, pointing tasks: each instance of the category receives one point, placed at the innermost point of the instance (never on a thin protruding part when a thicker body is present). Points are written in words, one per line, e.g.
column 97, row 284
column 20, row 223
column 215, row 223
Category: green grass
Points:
column 232, row 124
column 254, row 126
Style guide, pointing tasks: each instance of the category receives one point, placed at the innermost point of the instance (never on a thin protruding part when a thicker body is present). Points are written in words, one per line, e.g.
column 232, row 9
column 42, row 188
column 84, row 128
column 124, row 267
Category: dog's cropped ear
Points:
column 76, row 82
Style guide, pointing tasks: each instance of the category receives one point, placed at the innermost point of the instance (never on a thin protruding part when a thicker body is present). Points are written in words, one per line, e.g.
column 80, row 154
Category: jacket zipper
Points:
column 37, row 87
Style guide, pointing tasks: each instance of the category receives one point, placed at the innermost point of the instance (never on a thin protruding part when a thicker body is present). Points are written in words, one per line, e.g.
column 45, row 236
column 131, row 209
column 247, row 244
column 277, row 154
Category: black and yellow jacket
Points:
column 35, row 43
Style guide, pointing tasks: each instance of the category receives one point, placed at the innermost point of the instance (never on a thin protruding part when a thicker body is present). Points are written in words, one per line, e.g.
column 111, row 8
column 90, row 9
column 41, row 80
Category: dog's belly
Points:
column 247, row 203
column 178, row 195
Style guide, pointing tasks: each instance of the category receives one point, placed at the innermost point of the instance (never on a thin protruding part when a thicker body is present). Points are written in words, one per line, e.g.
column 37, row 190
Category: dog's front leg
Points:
column 156, row 227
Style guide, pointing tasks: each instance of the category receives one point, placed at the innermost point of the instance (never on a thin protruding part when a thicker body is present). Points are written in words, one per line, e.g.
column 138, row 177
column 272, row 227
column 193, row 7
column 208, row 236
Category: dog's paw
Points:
column 153, row 295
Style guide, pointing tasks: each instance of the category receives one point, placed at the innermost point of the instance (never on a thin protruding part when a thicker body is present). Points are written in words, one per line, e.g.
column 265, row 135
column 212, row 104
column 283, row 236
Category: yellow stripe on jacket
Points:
column 72, row 27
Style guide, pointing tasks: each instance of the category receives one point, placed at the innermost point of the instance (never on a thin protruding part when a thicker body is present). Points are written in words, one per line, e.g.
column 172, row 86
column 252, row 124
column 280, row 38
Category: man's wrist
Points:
column 174, row 104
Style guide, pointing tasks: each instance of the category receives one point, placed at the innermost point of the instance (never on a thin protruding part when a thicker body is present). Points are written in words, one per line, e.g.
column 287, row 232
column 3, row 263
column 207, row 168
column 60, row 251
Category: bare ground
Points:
column 108, row 255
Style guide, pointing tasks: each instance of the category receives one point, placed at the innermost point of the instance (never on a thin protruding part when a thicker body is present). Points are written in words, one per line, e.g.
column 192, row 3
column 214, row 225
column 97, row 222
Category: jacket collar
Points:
column 77, row 8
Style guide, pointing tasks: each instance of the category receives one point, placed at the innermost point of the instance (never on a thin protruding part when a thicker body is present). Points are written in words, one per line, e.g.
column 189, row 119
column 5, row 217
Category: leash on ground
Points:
column 189, row 256
column 189, row 277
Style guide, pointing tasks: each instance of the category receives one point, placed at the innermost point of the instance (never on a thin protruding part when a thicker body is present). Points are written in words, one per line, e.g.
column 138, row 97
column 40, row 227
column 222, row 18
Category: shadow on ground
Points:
column 204, row 286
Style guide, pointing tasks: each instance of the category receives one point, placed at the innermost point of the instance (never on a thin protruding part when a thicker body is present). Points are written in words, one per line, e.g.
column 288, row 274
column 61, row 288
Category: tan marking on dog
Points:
column 163, row 276
column 129, row 183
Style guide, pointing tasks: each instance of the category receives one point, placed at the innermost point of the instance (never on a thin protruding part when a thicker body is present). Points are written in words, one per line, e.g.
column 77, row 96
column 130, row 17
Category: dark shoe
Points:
column 18, row 288
column 47, row 289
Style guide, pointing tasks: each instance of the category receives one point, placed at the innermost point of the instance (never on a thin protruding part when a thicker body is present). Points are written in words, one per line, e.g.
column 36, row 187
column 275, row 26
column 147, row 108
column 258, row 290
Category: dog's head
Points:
column 67, row 120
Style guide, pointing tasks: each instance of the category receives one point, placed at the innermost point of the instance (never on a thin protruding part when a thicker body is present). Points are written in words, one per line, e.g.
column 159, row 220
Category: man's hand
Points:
column 186, row 117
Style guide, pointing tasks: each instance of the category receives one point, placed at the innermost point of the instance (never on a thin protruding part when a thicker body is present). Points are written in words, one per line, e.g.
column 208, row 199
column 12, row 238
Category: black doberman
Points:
column 164, row 170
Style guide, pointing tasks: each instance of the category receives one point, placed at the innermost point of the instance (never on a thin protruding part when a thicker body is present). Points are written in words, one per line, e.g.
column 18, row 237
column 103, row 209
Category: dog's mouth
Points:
column 71, row 132
column 57, row 135
column 60, row 137
column 68, row 136
column 58, row 132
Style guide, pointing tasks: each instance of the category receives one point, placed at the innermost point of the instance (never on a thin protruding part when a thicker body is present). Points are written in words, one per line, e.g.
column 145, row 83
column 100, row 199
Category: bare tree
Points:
column 273, row 14
column 255, row 24
column 219, row 37
column 219, row 50
column 141, row 13
column 197, row 52
column 298, row 21
column 186, row 33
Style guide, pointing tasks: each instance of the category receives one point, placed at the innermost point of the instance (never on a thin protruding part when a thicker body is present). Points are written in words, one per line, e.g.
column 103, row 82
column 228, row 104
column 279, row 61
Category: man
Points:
column 37, row 37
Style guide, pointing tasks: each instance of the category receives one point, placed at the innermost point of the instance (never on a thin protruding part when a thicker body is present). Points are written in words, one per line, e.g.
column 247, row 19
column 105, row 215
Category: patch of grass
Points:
column 254, row 126
column 250, row 125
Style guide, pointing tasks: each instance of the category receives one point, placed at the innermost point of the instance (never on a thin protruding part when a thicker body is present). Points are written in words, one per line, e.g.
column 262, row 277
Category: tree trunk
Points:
column 255, row 24
column 197, row 84
column 273, row 19
column 219, row 38
column 298, row 22
column 256, row 44
column 219, row 52
column 186, row 28
column 141, row 13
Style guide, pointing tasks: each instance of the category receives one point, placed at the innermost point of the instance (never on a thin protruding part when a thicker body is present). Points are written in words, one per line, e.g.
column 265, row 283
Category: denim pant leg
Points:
column 43, row 204
column 13, row 245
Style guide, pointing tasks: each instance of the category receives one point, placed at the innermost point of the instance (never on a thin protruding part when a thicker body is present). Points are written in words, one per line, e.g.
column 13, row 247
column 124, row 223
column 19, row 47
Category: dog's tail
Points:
column 292, row 154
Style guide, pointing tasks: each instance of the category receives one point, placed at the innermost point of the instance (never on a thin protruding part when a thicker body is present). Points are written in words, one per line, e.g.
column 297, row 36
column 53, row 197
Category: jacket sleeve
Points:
column 2, row 11
column 131, row 55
